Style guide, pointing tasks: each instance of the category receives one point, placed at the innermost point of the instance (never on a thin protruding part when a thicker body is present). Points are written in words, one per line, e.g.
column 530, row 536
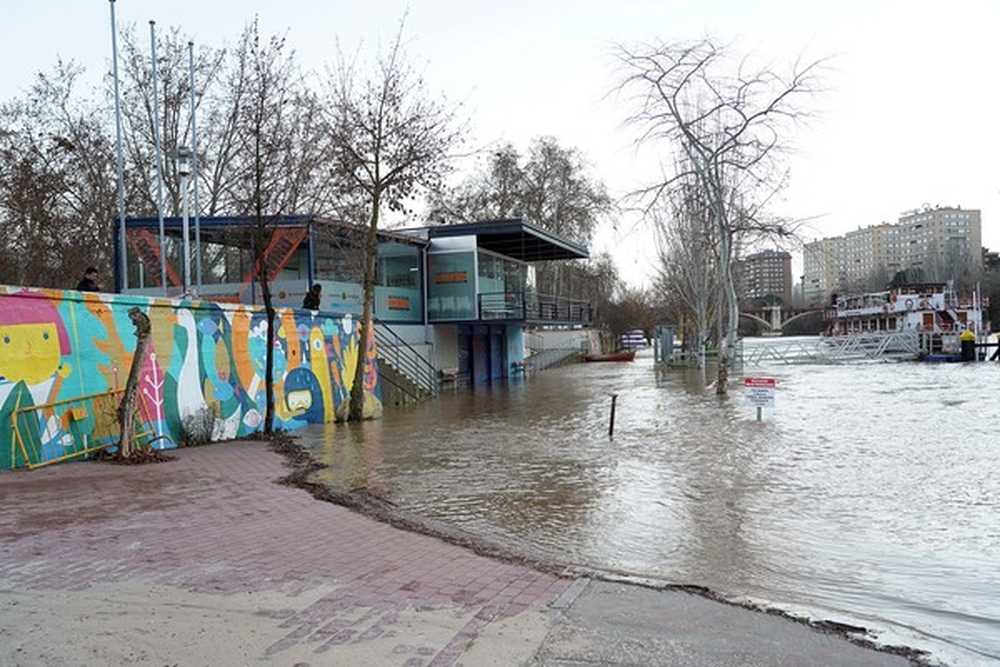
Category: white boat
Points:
column 931, row 315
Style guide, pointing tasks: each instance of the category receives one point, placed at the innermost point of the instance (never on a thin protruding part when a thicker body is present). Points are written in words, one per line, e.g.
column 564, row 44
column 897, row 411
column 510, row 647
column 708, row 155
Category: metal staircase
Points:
column 407, row 362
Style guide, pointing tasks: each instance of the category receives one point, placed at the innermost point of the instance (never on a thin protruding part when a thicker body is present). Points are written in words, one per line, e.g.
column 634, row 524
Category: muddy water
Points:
column 870, row 493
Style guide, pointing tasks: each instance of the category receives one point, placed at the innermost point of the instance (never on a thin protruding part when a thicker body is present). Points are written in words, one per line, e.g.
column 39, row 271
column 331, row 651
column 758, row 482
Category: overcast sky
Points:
column 905, row 122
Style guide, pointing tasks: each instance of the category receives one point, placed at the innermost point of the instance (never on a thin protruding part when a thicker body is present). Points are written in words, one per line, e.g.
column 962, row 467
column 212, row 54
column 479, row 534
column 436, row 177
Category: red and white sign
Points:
column 759, row 392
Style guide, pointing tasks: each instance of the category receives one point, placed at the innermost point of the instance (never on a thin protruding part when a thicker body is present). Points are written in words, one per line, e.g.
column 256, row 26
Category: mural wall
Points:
column 205, row 358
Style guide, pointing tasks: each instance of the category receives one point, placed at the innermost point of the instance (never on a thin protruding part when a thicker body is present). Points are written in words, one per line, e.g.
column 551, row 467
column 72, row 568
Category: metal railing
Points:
column 830, row 349
column 61, row 430
column 531, row 307
column 406, row 360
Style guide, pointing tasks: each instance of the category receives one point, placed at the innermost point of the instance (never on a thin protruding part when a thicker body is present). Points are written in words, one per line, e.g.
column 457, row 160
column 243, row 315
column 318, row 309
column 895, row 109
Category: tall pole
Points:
column 186, row 245
column 159, row 161
column 194, row 170
column 123, row 276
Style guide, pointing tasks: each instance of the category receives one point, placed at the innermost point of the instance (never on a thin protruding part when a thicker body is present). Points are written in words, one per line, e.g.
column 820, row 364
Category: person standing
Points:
column 311, row 302
column 89, row 281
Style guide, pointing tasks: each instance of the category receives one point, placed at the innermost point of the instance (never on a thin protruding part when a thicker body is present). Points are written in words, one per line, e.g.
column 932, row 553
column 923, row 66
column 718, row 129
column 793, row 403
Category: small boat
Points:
column 622, row 355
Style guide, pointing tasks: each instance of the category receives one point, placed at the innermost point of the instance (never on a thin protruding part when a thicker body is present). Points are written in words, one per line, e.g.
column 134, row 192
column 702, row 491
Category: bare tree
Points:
column 494, row 191
column 127, row 407
column 550, row 187
column 727, row 123
column 688, row 264
column 57, row 196
column 225, row 83
column 266, row 133
column 389, row 140
column 139, row 122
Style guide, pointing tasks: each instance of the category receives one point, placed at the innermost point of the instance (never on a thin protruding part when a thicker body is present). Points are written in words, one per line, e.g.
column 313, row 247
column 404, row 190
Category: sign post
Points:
column 759, row 393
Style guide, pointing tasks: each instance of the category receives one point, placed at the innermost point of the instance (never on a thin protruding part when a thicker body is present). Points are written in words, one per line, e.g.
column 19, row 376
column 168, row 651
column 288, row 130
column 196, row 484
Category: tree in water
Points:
column 727, row 123
column 687, row 262
column 388, row 141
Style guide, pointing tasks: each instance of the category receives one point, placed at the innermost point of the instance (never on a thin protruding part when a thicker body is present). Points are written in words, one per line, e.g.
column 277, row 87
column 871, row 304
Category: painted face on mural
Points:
column 29, row 352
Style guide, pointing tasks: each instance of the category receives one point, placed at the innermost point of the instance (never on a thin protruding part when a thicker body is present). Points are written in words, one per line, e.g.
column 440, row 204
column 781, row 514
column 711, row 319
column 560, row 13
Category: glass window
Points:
column 451, row 286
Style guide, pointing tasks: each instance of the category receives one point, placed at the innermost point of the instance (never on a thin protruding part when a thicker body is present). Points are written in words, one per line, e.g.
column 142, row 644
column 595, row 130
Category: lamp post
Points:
column 183, row 156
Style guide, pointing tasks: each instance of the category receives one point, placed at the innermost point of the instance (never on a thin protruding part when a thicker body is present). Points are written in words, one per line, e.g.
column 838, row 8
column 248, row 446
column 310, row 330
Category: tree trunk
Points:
column 370, row 256
column 727, row 303
column 126, row 409
column 731, row 317
column 265, row 290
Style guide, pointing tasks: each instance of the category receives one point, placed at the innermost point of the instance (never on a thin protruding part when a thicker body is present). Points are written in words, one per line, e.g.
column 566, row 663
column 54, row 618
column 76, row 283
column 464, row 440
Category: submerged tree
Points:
column 688, row 264
column 727, row 124
column 389, row 140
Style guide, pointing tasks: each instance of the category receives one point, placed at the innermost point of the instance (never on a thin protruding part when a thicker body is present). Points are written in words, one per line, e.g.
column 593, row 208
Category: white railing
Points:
column 833, row 349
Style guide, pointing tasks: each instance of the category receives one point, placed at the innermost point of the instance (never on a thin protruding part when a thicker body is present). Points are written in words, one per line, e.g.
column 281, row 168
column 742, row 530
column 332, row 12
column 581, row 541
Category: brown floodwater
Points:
column 869, row 493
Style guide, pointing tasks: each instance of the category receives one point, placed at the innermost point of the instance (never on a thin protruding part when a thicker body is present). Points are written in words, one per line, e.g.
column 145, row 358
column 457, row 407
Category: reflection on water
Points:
column 869, row 494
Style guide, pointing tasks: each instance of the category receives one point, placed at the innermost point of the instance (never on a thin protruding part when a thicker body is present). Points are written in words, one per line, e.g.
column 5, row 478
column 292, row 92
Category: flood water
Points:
column 869, row 494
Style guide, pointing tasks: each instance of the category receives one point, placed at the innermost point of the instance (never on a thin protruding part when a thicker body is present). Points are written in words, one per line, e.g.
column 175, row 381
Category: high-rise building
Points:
column 765, row 274
column 821, row 272
column 941, row 239
column 942, row 242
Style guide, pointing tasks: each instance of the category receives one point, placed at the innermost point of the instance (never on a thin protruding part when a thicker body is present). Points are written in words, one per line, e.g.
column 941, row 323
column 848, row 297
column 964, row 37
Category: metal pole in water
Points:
column 611, row 426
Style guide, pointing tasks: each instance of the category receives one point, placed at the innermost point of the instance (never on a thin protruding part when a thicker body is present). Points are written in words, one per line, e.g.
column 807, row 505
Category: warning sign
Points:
column 759, row 392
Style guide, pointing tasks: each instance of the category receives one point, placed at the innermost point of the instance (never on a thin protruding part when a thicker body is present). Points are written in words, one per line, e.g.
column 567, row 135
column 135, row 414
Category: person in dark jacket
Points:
column 89, row 281
column 311, row 302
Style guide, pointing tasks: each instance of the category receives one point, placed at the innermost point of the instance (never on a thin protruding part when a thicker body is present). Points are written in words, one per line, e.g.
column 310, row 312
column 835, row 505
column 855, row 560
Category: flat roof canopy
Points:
column 223, row 228
column 514, row 238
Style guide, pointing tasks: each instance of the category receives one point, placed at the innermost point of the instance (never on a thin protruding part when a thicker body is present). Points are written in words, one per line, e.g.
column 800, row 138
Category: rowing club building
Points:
column 451, row 302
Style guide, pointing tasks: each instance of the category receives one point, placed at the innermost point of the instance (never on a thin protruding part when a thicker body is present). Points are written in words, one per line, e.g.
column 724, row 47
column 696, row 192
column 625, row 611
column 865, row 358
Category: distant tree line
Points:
column 270, row 140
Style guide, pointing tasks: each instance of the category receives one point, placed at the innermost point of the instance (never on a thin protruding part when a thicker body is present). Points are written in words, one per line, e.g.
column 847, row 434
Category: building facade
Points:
column 460, row 296
column 767, row 274
column 943, row 243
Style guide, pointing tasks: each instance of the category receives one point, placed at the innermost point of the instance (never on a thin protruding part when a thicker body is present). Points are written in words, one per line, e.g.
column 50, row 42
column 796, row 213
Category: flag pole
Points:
column 122, row 283
column 194, row 172
column 159, row 159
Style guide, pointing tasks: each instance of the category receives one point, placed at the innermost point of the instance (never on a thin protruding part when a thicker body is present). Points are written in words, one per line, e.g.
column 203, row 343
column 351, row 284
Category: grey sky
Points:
column 906, row 120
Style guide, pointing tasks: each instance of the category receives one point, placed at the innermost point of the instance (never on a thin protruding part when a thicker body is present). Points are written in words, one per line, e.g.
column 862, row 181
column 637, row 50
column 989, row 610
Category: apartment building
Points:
column 767, row 273
column 942, row 242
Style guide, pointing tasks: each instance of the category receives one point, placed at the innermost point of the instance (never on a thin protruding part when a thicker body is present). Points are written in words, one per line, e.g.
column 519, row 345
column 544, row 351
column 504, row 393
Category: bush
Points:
column 197, row 428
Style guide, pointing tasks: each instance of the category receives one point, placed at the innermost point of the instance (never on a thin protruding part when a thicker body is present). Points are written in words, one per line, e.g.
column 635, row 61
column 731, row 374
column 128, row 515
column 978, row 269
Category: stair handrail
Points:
column 402, row 356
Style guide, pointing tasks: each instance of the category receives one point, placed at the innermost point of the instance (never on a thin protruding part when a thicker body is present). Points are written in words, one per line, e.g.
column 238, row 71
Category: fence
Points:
column 52, row 432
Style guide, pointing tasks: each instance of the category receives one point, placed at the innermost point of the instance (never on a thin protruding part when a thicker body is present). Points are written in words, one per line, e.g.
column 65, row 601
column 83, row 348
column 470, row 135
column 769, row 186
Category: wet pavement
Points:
column 206, row 560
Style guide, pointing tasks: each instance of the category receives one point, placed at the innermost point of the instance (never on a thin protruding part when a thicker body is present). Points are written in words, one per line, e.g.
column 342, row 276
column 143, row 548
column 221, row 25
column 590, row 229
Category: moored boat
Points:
column 931, row 313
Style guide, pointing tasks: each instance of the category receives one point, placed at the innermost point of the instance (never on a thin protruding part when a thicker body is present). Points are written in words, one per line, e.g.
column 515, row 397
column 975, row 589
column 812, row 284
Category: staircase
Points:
column 406, row 373
column 543, row 359
column 540, row 356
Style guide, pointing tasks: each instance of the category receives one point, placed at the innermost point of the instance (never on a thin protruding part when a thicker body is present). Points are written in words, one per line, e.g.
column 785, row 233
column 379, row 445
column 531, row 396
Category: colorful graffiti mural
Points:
column 205, row 358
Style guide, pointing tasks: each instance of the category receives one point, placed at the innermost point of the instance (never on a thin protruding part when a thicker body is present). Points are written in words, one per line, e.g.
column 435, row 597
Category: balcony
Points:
column 531, row 308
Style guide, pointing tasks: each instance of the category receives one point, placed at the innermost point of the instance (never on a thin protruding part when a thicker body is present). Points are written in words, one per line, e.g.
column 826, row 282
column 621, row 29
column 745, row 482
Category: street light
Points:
column 183, row 156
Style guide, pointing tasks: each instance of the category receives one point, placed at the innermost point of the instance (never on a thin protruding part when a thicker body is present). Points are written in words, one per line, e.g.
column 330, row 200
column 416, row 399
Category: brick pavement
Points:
column 214, row 522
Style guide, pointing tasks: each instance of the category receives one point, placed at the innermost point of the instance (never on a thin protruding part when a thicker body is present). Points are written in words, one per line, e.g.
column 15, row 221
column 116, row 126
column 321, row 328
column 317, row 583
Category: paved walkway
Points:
column 205, row 560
